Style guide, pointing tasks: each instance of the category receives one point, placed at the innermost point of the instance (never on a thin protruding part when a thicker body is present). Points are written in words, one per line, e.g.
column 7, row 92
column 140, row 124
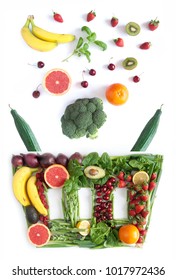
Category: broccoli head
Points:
column 83, row 118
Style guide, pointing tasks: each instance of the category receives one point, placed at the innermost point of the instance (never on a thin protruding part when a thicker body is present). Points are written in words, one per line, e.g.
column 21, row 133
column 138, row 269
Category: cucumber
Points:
column 25, row 132
column 148, row 132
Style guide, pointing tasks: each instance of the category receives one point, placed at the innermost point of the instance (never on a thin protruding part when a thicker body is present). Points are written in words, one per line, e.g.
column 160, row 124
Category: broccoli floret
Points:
column 68, row 127
column 83, row 118
column 99, row 117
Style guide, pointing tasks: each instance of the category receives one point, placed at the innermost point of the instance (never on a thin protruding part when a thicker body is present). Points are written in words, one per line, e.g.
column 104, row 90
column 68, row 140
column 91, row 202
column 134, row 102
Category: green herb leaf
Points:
column 91, row 38
column 87, row 30
column 80, row 42
column 101, row 44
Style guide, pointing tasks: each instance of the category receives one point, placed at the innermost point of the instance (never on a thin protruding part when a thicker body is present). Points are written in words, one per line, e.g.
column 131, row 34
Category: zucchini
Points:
column 148, row 132
column 25, row 132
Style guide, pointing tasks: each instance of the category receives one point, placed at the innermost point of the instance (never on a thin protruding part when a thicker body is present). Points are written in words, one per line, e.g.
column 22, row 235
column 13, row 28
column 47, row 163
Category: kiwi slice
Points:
column 132, row 28
column 129, row 63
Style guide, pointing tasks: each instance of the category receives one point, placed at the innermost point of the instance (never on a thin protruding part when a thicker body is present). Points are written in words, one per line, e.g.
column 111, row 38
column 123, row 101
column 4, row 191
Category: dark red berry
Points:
column 40, row 64
column 92, row 72
column 136, row 79
column 111, row 66
column 84, row 84
column 36, row 93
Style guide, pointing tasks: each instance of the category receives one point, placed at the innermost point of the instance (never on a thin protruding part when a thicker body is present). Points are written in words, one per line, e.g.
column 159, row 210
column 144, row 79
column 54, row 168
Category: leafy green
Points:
column 112, row 239
column 105, row 161
column 91, row 159
column 99, row 232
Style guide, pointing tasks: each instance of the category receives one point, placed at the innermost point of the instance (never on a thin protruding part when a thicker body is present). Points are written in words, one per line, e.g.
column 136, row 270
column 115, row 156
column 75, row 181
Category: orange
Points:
column 128, row 234
column 117, row 94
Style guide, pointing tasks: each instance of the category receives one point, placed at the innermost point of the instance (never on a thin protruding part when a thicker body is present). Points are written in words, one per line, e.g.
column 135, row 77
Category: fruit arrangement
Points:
column 35, row 174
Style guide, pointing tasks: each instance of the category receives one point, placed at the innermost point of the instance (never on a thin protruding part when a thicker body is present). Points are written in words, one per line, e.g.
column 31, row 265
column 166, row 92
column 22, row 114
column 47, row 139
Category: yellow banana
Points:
column 34, row 196
column 50, row 36
column 19, row 184
column 34, row 42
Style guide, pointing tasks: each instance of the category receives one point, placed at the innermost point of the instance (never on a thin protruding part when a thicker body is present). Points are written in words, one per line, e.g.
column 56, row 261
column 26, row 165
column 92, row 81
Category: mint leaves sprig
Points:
column 83, row 44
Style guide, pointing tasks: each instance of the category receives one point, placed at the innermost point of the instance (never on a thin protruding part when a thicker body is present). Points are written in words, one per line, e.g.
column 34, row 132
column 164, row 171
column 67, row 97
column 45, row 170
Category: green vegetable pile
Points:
column 83, row 118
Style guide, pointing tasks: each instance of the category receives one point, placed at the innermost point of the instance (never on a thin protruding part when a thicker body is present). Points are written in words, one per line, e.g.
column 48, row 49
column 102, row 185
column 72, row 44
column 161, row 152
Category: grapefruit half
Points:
column 38, row 234
column 56, row 175
column 57, row 82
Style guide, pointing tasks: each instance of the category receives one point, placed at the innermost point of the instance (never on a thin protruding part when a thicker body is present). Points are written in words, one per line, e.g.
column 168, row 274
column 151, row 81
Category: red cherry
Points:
column 84, row 84
column 40, row 64
column 92, row 72
column 111, row 66
column 36, row 93
column 136, row 79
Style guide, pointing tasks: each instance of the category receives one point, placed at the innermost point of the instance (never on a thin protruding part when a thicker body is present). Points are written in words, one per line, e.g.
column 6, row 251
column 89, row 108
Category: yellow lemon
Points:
column 84, row 227
column 140, row 177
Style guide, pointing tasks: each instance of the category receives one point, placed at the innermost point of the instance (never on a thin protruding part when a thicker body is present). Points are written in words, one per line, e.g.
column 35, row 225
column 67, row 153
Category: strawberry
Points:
column 143, row 232
column 132, row 194
column 128, row 178
column 144, row 197
column 153, row 24
column 132, row 212
column 152, row 185
column 121, row 175
column 57, row 17
column 121, row 184
column 144, row 213
column 145, row 46
column 91, row 15
column 119, row 42
column 139, row 208
column 153, row 176
column 134, row 201
column 140, row 240
column 145, row 187
column 114, row 21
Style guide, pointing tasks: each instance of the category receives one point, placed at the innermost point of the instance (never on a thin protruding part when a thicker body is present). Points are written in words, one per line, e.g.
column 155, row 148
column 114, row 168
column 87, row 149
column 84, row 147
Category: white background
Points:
column 118, row 134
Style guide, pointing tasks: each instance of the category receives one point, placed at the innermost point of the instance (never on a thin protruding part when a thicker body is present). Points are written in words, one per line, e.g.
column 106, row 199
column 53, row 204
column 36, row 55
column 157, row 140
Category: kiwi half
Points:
column 130, row 63
column 132, row 28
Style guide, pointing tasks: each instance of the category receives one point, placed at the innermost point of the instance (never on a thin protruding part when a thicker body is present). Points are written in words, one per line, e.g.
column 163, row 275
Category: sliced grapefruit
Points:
column 56, row 175
column 57, row 82
column 38, row 234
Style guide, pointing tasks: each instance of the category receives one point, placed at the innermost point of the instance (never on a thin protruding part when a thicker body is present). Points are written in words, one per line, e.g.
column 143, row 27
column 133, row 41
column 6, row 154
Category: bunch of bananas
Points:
column 25, row 189
column 40, row 39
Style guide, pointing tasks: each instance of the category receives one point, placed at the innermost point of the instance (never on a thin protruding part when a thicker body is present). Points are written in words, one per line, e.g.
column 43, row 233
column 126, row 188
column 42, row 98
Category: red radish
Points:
column 114, row 21
column 57, row 17
column 145, row 46
column 119, row 42
column 91, row 15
